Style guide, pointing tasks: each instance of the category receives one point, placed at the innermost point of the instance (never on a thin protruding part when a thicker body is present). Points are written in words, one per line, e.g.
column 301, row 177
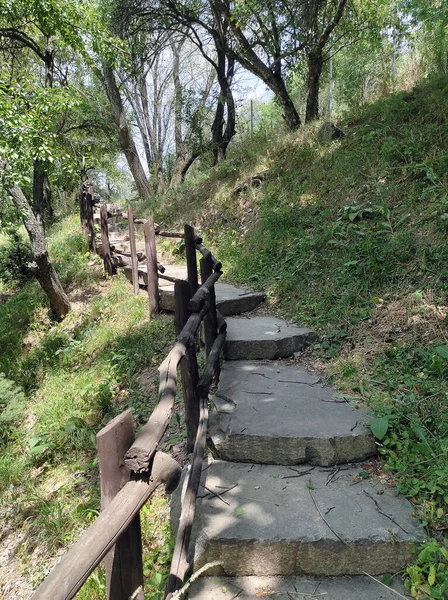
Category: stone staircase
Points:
column 284, row 507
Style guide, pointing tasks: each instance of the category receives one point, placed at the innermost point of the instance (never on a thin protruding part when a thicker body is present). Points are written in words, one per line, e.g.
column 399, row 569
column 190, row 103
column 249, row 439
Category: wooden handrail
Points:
column 150, row 467
column 200, row 296
column 217, row 266
column 179, row 564
column 69, row 575
column 138, row 457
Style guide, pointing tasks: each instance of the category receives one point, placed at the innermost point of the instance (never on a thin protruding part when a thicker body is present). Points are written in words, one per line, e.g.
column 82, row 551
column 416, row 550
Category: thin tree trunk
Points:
column 41, row 185
column 290, row 114
column 315, row 63
column 176, row 179
column 180, row 169
column 42, row 193
column 124, row 134
column 221, row 137
column 44, row 270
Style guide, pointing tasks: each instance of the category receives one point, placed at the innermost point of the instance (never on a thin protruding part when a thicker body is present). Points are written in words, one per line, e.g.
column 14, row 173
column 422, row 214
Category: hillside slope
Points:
column 349, row 237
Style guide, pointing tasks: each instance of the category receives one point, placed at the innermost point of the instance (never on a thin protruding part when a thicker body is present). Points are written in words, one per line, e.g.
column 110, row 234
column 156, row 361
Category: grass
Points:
column 75, row 375
column 349, row 237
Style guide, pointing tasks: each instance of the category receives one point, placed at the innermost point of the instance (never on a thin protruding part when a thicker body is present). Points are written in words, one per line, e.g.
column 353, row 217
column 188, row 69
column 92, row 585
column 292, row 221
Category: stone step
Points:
column 274, row 522
column 230, row 300
column 288, row 588
column 264, row 337
column 277, row 414
column 125, row 246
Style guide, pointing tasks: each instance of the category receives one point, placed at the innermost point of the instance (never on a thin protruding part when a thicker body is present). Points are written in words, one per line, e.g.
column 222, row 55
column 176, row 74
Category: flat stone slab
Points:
column 284, row 521
column 230, row 300
column 252, row 338
column 287, row 588
column 166, row 287
column 276, row 414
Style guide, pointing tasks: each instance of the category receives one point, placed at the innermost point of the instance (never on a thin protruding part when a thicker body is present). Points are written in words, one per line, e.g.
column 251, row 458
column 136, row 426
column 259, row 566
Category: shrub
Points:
column 14, row 262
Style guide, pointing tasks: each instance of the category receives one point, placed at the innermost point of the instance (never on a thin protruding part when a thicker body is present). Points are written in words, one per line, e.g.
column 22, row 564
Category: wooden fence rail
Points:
column 131, row 468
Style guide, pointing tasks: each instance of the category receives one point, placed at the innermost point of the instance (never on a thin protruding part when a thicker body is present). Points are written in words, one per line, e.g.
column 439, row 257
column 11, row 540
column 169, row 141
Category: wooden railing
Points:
column 131, row 468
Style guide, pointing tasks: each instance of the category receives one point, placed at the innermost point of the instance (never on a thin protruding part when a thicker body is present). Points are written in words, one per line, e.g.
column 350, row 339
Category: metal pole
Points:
column 251, row 117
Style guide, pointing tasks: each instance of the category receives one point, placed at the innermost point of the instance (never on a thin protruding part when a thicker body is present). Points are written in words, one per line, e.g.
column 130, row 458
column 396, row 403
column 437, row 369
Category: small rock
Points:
column 329, row 132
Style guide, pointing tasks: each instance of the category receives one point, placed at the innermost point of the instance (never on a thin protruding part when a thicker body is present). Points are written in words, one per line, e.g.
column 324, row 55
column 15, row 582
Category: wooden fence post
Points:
column 124, row 563
column 210, row 319
column 134, row 261
column 89, row 219
column 82, row 194
column 192, row 265
column 189, row 365
column 107, row 259
column 151, row 267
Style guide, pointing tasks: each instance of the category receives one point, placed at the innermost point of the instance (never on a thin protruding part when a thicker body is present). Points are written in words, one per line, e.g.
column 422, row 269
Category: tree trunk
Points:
column 44, row 270
column 315, row 63
column 221, row 137
column 180, row 169
column 41, row 185
column 178, row 139
column 42, row 194
column 290, row 114
column 124, row 134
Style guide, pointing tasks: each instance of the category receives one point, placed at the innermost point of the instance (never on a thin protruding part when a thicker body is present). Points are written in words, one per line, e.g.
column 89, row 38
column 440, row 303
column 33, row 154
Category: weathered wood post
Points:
column 210, row 319
column 189, row 365
column 151, row 267
column 82, row 194
column 124, row 563
column 134, row 261
column 107, row 259
column 192, row 265
column 89, row 219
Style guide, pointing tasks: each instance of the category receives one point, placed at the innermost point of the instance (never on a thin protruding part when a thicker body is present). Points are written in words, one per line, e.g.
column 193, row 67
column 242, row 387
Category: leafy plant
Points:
column 15, row 261
column 428, row 577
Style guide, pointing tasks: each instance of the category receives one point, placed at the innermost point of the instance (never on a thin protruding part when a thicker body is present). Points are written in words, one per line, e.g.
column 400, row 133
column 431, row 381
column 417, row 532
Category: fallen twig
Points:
column 383, row 513
column 177, row 595
column 325, row 520
column 214, row 494
column 386, row 586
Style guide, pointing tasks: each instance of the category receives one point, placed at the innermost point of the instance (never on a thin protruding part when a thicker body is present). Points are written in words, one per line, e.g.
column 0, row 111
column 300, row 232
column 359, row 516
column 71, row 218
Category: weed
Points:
column 429, row 576
column 158, row 544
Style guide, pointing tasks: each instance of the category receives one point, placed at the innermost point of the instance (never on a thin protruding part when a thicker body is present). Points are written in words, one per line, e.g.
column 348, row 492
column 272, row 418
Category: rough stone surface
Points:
column 286, row 588
column 230, row 300
column 264, row 337
column 324, row 523
column 329, row 132
column 166, row 287
column 276, row 414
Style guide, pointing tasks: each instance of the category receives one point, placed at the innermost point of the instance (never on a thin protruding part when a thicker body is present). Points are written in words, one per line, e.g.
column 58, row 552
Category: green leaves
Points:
column 379, row 427
column 442, row 351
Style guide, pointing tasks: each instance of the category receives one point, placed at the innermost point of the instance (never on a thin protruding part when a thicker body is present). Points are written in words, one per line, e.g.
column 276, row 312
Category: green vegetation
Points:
column 349, row 237
column 59, row 384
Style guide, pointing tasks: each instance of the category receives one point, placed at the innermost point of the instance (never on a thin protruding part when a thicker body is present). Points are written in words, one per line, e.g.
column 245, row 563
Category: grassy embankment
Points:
column 350, row 238
column 73, row 378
